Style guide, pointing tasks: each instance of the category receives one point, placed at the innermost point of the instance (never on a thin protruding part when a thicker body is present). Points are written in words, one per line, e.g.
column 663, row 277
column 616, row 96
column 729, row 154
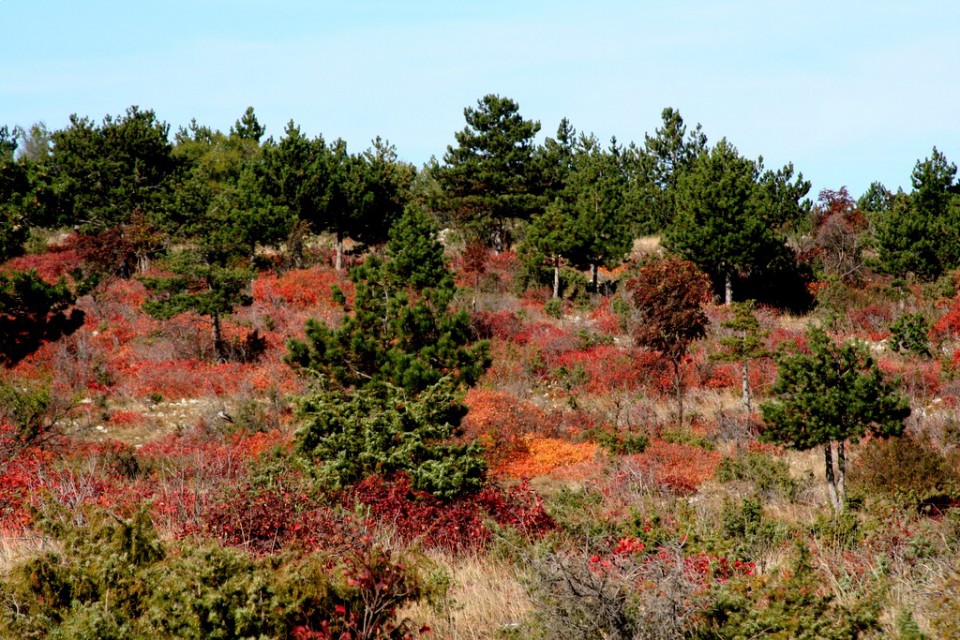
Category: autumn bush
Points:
column 460, row 524
column 499, row 421
column 911, row 469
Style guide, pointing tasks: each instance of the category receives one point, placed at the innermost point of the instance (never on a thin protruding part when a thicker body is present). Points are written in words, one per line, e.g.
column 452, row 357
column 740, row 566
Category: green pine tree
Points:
column 402, row 329
column 833, row 394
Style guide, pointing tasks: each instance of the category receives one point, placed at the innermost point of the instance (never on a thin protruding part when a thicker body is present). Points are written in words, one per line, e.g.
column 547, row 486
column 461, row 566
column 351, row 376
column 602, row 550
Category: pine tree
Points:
column 833, row 394
column 491, row 179
column 391, row 376
column 920, row 235
column 729, row 215
column 743, row 345
column 402, row 330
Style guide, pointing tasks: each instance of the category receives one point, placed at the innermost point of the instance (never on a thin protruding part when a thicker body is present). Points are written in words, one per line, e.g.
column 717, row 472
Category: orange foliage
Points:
column 300, row 288
column 500, row 421
column 546, row 455
column 678, row 467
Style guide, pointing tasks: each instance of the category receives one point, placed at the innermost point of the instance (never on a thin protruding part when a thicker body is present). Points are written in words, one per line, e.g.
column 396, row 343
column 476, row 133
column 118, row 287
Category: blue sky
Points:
column 850, row 92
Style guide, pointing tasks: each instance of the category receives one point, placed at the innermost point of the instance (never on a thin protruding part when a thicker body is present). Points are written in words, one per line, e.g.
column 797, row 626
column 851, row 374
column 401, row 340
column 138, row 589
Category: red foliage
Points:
column 265, row 520
column 301, row 288
column 499, row 325
column 605, row 319
column 51, row 265
column 609, row 368
column 677, row 468
column 872, row 320
column 948, row 325
column 669, row 296
column 457, row 525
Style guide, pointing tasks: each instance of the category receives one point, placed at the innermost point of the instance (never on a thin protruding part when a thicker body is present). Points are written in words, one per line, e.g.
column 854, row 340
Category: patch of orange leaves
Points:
column 682, row 468
column 547, row 455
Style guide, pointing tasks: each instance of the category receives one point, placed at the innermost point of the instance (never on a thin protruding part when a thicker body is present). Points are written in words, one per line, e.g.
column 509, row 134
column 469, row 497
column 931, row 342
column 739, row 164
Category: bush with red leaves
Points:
column 457, row 525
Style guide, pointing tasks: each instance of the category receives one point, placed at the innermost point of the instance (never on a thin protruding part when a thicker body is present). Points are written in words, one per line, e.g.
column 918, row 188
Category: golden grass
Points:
column 16, row 547
column 485, row 599
column 646, row 246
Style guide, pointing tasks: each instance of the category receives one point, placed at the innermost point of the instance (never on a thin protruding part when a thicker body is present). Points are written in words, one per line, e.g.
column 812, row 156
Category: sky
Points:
column 851, row 92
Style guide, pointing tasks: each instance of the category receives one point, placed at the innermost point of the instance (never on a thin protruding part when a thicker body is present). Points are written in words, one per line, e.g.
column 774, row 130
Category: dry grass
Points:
column 792, row 322
column 16, row 547
column 485, row 598
column 647, row 246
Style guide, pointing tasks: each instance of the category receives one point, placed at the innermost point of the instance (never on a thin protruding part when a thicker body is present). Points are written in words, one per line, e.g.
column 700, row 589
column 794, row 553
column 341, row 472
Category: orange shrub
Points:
column 546, row 455
column 501, row 421
column 677, row 467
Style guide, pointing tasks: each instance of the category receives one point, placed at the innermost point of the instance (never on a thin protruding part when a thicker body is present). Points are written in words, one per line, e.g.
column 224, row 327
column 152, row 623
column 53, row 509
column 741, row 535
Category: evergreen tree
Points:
column 490, row 178
column 392, row 373
column 876, row 199
column 665, row 156
column 32, row 312
column 106, row 173
column 248, row 127
column 550, row 239
column 555, row 159
column 402, row 330
column 205, row 283
column 223, row 214
column 586, row 224
column 920, row 235
column 382, row 429
column 730, row 213
column 745, row 343
column 14, row 185
column 832, row 394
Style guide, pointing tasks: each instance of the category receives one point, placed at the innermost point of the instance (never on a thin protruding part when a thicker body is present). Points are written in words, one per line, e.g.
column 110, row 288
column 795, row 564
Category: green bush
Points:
column 790, row 605
column 744, row 524
column 381, row 429
column 770, row 476
column 909, row 334
column 114, row 579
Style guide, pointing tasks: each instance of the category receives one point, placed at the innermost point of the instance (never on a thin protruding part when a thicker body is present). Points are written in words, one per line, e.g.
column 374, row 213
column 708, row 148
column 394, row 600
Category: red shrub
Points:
column 499, row 325
column 301, row 288
column 51, row 265
column 457, row 525
column 265, row 520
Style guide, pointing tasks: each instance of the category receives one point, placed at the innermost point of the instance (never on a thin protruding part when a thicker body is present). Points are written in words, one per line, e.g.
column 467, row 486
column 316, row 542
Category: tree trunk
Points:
column 841, row 474
column 594, row 277
column 338, row 261
column 831, row 480
column 678, row 382
column 556, row 277
column 727, row 288
column 745, row 385
column 218, row 340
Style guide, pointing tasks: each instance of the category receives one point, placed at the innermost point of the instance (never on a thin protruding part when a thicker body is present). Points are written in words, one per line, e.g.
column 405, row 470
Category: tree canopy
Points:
column 729, row 214
column 490, row 178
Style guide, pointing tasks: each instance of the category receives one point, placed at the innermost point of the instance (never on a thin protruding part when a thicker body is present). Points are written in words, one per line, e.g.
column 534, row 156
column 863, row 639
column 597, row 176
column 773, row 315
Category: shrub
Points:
column 910, row 470
column 909, row 334
column 114, row 579
column 456, row 525
column 379, row 429
column 788, row 605
column 769, row 475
